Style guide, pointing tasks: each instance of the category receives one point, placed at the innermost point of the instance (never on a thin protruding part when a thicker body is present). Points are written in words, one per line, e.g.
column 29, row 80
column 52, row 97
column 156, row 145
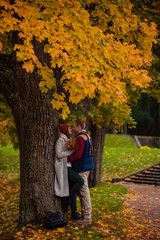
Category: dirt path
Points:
column 144, row 200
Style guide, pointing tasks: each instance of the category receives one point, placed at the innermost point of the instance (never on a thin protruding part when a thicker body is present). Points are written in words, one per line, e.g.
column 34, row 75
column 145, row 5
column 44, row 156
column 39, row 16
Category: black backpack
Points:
column 53, row 221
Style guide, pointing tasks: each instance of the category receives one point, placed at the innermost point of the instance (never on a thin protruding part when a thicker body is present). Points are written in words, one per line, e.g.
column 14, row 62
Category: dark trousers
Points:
column 75, row 183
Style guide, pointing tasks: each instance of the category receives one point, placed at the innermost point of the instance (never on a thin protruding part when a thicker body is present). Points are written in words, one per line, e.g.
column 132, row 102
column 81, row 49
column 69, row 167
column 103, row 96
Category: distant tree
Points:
column 147, row 115
column 147, row 111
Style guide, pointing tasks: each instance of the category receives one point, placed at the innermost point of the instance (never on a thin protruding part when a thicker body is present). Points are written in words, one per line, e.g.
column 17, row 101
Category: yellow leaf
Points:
column 125, row 230
column 1, row 46
column 61, row 230
column 29, row 66
column 24, row 228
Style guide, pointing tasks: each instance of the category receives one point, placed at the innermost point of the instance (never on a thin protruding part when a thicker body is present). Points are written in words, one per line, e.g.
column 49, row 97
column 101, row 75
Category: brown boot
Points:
column 84, row 222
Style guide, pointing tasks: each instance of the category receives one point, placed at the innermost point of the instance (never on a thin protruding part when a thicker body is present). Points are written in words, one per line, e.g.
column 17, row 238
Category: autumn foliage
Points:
column 100, row 46
column 71, row 50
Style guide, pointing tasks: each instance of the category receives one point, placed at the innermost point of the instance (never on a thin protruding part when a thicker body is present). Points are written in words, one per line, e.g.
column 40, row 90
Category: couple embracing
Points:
column 73, row 163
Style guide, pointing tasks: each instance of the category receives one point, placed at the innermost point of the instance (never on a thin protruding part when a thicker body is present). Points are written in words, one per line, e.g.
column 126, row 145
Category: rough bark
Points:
column 98, row 137
column 37, row 124
column 156, row 115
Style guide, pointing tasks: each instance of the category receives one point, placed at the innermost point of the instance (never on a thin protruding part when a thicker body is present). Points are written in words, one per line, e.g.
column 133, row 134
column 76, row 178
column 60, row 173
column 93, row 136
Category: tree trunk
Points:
column 156, row 115
column 37, row 128
column 98, row 137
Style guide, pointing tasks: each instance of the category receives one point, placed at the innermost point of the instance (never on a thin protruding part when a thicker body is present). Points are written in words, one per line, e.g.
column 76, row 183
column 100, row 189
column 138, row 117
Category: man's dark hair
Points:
column 80, row 122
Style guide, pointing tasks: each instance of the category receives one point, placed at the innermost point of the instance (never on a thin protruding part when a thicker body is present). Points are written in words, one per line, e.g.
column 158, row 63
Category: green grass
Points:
column 125, row 159
column 9, row 185
column 116, row 141
column 9, row 161
column 121, row 158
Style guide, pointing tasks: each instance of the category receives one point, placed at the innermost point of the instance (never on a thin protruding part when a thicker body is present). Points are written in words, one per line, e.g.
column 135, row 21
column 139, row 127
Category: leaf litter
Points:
column 142, row 207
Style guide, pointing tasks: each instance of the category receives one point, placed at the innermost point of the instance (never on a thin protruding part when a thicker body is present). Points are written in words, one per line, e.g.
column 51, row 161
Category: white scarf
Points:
column 62, row 135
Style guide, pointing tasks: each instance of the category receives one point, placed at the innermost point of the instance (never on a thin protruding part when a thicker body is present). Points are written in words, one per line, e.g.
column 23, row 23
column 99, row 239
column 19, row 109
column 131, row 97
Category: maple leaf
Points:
column 1, row 46
column 29, row 66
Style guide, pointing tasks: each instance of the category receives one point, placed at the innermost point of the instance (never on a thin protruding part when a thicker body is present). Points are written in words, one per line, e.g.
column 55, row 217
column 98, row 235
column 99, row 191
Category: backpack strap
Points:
column 83, row 136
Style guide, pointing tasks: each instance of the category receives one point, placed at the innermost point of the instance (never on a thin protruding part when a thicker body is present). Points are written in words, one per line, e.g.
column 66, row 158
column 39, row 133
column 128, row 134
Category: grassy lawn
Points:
column 110, row 221
column 9, row 162
column 9, row 187
column 122, row 158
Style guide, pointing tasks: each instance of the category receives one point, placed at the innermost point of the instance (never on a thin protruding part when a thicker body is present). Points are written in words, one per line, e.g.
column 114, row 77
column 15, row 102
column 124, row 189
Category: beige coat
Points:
column 61, row 172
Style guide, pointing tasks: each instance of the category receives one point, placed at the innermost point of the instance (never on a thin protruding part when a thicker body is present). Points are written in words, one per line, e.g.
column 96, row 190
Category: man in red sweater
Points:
column 82, row 162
